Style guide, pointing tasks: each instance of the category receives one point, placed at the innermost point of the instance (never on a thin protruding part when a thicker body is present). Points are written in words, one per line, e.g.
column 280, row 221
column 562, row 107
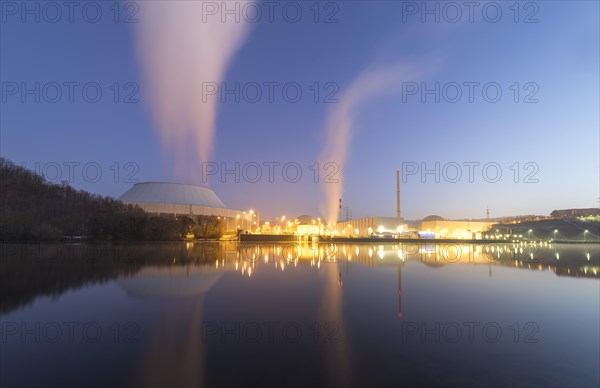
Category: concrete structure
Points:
column 443, row 228
column 369, row 225
column 179, row 199
column 398, row 194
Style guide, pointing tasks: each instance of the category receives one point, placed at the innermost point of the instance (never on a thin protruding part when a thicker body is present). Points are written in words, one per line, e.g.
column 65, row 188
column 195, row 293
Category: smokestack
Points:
column 397, row 193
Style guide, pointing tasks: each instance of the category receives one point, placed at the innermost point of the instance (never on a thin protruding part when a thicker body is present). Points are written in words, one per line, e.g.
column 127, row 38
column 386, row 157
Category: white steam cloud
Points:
column 372, row 82
column 182, row 46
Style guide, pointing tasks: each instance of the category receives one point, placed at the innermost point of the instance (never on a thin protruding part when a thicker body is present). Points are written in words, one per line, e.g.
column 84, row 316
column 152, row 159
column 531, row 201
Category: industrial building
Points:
column 375, row 225
column 433, row 226
column 370, row 225
column 180, row 199
column 443, row 228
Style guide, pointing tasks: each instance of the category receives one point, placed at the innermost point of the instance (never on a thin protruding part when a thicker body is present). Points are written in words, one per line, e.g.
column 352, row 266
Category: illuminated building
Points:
column 443, row 228
column 179, row 199
column 371, row 225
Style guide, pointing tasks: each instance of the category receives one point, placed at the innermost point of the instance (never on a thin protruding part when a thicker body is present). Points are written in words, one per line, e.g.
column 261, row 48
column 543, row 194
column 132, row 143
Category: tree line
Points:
column 33, row 209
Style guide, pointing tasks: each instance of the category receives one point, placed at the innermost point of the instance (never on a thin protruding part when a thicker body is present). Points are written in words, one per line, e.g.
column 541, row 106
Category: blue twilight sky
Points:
column 553, row 63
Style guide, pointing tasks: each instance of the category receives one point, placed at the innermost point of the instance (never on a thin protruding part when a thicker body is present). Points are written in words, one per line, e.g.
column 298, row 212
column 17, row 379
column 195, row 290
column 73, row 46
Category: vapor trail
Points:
column 180, row 49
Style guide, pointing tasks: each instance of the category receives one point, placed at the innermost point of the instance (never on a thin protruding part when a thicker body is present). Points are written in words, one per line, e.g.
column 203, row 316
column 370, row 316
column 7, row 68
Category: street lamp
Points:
column 529, row 234
column 555, row 231
column 585, row 232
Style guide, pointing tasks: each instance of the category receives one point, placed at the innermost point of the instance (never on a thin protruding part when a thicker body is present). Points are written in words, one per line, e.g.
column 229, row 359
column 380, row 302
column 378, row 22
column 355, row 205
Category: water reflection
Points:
column 352, row 303
column 31, row 270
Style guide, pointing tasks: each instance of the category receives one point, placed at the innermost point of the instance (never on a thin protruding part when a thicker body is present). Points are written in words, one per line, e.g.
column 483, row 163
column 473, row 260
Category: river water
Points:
column 228, row 314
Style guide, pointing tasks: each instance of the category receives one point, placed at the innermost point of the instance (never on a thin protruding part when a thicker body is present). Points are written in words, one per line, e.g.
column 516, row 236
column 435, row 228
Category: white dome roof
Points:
column 172, row 193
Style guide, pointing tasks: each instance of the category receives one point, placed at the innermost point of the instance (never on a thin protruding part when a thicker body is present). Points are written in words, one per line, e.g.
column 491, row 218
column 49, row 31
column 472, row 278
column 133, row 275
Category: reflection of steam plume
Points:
column 180, row 50
column 338, row 354
column 372, row 82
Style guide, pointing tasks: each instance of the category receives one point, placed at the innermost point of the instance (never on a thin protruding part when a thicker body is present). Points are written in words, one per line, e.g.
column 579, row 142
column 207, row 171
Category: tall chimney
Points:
column 398, row 193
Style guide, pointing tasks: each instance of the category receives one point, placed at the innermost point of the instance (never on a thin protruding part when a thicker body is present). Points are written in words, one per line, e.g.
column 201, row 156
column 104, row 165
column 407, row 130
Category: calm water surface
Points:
column 184, row 314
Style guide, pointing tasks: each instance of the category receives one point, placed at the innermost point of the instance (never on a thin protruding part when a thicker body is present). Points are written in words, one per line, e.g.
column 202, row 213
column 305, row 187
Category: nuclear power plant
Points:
column 189, row 200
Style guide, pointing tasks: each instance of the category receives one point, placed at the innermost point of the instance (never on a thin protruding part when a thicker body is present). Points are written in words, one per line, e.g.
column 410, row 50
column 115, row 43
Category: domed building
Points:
column 433, row 217
column 180, row 199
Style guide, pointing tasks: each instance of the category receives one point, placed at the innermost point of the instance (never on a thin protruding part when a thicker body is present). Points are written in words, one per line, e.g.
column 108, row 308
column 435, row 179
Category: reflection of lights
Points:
column 557, row 256
column 370, row 253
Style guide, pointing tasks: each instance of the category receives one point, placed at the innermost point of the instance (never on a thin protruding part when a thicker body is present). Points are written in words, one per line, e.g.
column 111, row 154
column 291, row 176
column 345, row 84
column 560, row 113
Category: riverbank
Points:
column 360, row 240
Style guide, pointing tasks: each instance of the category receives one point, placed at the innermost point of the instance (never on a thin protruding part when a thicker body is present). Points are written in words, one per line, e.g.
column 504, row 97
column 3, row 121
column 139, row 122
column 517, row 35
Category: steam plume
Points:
column 180, row 48
column 372, row 82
